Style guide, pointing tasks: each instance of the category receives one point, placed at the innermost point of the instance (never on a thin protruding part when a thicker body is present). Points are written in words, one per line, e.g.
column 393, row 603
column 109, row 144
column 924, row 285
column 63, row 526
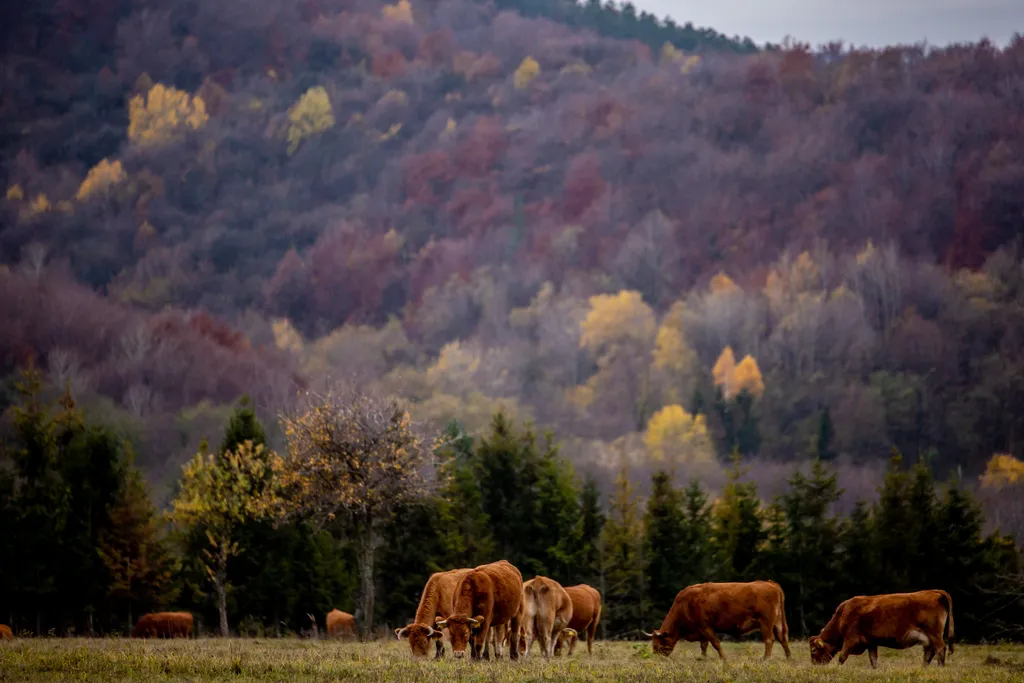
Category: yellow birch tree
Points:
column 310, row 116
column 162, row 114
column 219, row 493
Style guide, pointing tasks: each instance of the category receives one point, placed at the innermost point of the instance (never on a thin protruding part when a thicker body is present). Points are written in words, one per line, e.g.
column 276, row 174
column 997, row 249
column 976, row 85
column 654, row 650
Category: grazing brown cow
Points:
column 546, row 609
column 435, row 603
column 486, row 597
column 701, row 610
column 163, row 625
column 5, row 632
column 566, row 641
column 340, row 624
column 586, row 613
column 896, row 620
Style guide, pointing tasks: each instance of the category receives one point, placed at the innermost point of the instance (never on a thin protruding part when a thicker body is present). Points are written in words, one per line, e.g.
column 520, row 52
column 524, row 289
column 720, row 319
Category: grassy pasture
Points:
column 118, row 659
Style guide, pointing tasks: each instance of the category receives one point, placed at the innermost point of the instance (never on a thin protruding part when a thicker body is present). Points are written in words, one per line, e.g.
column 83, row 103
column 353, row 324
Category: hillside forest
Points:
column 688, row 258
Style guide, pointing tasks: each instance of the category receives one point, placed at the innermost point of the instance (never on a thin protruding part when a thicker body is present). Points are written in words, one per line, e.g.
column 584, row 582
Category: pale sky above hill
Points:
column 861, row 22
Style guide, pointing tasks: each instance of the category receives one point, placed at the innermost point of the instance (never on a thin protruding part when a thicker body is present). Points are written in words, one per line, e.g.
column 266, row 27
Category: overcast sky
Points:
column 861, row 22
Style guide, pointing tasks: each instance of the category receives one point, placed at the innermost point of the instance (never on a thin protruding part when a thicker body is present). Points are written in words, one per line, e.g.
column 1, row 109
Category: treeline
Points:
column 624, row 22
column 83, row 550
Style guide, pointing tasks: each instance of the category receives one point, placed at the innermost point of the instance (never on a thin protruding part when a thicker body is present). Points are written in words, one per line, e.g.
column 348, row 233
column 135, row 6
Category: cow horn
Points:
column 648, row 635
column 401, row 632
column 440, row 624
column 474, row 622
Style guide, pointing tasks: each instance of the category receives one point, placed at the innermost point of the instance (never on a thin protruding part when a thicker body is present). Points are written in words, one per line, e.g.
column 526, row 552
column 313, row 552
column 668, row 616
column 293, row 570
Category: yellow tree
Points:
column 725, row 370
column 674, row 359
column 675, row 436
column 747, row 377
column 527, row 71
column 1002, row 470
column 310, row 116
column 619, row 330
column 101, row 178
column 218, row 494
column 162, row 114
column 354, row 455
column 400, row 11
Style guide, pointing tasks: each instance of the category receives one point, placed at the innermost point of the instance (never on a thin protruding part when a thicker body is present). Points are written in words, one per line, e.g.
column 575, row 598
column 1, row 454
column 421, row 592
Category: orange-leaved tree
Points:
column 354, row 456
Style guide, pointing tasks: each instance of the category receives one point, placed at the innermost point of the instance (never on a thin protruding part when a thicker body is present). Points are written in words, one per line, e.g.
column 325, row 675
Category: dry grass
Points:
column 117, row 659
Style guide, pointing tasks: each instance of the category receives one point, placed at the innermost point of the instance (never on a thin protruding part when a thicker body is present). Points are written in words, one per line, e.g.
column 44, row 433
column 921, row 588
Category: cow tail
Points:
column 949, row 634
column 782, row 614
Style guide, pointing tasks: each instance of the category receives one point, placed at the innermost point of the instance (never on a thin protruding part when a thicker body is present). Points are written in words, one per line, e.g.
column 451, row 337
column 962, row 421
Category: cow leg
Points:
column 940, row 650
column 439, row 648
column 768, row 636
column 850, row 648
column 704, row 649
column 929, row 654
column 873, row 657
column 591, row 632
column 713, row 639
column 513, row 644
column 783, row 638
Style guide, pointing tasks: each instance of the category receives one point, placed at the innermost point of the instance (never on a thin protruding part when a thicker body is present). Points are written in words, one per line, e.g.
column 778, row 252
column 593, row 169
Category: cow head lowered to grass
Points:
column 821, row 652
column 420, row 636
column 461, row 631
column 663, row 642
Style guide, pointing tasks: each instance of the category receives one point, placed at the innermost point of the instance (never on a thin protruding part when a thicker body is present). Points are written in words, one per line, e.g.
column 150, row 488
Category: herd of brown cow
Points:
column 491, row 606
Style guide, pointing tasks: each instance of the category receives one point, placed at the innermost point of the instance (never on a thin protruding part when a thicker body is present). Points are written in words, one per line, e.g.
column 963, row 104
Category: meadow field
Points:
column 118, row 659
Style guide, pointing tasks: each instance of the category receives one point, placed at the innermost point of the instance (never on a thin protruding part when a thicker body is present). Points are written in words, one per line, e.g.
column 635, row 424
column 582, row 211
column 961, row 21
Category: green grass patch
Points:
column 118, row 659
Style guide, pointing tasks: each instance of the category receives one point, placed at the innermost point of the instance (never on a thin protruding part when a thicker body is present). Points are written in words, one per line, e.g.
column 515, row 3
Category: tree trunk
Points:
column 367, row 590
column 220, row 581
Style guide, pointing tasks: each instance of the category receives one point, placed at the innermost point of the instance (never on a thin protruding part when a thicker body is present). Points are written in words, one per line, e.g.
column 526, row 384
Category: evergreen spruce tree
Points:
column 737, row 526
column 135, row 554
column 859, row 566
column 665, row 541
column 462, row 522
column 623, row 582
column 499, row 463
column 895, row 528
column 38, row 504
column 923, row 558
column 555, row 511
column 697, row 541
column 809, row 553
column 586, row 563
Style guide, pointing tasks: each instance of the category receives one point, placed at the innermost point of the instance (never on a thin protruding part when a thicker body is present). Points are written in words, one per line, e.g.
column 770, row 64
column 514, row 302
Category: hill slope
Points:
column 311, row 171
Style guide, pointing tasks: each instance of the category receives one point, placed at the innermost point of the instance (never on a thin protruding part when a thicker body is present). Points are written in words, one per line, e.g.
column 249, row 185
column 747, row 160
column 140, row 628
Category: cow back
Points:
column 887, row 618
column 735, row 608
column 5, row 632
column 438, row 594
column 586, row 606
column 494, row 591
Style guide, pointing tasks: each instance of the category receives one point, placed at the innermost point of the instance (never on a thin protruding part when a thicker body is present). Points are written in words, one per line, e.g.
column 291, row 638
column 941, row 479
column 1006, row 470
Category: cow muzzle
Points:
column 459, row 654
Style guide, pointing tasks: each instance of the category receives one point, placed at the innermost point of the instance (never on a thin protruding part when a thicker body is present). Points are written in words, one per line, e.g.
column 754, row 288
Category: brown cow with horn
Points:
column 486, row 597
column 896, row 620
column 435, row 605
column 702, row 610
column 163, row 625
